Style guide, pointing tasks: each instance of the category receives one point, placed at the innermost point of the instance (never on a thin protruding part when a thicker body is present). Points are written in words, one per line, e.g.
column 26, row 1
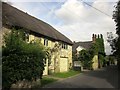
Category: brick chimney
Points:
column 94, row 38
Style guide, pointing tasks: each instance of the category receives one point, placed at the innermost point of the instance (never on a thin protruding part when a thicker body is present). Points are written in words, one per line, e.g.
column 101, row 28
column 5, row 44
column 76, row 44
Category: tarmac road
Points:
column 106, row 77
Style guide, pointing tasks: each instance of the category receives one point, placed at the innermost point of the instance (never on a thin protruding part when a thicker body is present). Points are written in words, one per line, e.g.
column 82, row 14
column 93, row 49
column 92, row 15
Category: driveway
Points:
column 102, row 78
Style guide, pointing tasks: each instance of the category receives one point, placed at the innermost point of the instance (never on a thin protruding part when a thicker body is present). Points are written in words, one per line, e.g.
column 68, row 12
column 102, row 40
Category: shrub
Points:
column 86, row 59
column 21, row 60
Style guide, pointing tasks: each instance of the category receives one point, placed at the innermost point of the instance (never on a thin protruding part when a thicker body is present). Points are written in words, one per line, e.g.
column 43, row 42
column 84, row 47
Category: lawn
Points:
column 66, row 74
column 47, row 80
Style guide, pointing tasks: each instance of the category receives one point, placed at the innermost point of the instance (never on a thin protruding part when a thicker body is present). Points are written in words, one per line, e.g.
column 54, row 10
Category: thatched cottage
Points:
column 36, row 29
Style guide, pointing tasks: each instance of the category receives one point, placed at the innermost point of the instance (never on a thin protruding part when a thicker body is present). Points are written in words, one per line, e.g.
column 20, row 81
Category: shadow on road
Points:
column 67, row 85
column 109, row 73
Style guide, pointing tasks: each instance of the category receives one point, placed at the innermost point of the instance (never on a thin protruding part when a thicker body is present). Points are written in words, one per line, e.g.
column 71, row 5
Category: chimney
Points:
column 98, row 36
column 101, row 36
column 74, row 42
column 94, row 38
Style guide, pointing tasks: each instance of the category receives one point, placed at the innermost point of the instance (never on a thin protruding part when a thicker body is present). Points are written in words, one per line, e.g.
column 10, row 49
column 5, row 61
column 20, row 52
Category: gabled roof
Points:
column 85, row 45
column 13, row 17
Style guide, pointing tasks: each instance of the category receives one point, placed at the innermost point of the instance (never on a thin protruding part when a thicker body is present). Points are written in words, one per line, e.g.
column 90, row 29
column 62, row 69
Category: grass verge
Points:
column 46, row 80
column 66, row 74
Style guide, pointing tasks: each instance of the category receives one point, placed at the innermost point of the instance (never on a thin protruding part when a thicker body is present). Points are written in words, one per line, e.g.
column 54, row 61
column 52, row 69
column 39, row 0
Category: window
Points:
column 46, row 42
column 64, row 46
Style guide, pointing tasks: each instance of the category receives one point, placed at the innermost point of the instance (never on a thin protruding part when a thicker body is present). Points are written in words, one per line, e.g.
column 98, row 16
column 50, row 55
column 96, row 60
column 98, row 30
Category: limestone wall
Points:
column 95, row 62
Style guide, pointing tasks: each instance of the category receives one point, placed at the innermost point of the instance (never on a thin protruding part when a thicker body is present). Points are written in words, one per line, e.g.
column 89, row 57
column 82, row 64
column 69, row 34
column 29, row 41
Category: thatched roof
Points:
column 13, row 17
column 85, row 45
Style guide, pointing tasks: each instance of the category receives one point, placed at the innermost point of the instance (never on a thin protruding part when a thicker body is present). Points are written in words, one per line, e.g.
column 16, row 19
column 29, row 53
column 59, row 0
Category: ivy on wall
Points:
column 97, row 48
column 101, row 50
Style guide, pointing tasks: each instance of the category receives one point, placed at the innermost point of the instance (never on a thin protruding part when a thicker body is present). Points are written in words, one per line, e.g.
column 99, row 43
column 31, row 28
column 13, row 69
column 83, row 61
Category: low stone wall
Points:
column 26, row 84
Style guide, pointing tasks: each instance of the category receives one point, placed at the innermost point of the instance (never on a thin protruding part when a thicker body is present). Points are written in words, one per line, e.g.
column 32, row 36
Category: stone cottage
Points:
column 78, row 46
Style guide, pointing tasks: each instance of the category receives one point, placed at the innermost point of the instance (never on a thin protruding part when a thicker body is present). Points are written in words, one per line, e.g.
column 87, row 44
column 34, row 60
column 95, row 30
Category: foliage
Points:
column 21, row 60
column 101, row 50
column 116, row 17
column 112, row 59
column 85, row 57
column 53, row 53
column 97, row 48
column 74, row 56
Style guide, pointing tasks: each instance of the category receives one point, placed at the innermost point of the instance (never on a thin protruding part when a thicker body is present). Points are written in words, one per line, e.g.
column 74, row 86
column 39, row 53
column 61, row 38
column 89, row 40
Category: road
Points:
column 106, row 77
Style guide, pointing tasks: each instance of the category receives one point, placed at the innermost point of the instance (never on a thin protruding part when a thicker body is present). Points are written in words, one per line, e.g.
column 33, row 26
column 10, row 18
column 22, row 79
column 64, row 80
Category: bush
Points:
column 21, row 60
column 86, row 59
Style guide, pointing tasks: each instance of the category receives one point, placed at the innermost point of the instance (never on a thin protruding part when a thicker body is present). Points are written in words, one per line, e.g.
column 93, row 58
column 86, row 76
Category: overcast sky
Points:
column 73, row 18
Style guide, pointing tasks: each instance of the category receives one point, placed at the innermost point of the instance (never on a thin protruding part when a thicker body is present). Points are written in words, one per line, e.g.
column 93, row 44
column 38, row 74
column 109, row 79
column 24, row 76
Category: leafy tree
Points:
column 21, row 60
column 116, row 17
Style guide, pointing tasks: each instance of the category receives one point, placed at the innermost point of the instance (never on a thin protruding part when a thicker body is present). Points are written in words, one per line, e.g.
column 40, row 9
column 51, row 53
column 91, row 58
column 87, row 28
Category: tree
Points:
column 21, row 60
column 116, row 17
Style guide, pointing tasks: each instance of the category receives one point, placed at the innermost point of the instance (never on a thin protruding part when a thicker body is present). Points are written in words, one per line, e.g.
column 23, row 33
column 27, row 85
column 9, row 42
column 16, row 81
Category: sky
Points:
column 73, row 18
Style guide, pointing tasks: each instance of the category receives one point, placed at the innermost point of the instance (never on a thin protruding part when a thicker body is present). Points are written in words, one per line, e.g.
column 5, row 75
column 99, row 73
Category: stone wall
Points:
column 27, row 84
column 95, row 62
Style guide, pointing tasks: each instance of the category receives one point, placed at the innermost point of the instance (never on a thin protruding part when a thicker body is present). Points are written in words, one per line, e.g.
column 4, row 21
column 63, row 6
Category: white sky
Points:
column 73, row 18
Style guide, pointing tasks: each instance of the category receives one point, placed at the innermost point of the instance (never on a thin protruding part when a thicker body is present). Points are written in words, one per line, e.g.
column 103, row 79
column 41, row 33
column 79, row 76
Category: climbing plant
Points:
column 101, row 50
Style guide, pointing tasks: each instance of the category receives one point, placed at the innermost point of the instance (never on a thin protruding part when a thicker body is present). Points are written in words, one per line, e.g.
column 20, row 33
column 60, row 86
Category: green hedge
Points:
column 21, row 60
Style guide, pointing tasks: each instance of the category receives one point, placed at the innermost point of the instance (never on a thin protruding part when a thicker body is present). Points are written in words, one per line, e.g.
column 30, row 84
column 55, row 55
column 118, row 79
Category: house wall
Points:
column 95, row 62
column 56, row 57
column 66, row 54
